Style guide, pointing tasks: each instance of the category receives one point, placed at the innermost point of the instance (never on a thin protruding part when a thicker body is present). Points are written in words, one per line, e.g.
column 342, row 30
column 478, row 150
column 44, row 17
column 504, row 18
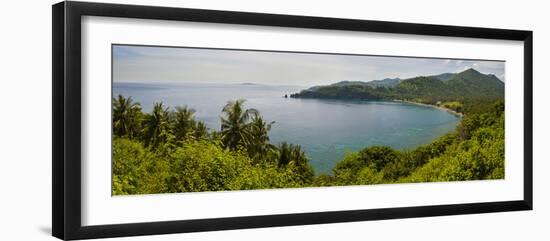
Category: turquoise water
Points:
column 326, row 129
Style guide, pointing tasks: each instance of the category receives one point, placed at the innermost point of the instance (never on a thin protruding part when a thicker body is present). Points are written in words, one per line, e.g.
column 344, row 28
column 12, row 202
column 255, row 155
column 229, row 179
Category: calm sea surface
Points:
column 326, row 129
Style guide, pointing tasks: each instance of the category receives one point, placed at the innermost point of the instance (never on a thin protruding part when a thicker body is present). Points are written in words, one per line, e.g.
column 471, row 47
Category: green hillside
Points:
column 470, row 88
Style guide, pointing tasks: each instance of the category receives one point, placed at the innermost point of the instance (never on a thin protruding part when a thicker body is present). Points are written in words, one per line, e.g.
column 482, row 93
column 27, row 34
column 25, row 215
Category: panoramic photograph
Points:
column 202, row 119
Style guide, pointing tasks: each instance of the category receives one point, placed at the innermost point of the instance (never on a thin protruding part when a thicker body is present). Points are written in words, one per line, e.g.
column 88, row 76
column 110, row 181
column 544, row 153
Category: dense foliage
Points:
column 168, row 150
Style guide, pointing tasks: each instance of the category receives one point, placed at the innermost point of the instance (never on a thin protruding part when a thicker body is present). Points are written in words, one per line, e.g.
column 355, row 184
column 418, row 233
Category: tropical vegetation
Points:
column 168, row 150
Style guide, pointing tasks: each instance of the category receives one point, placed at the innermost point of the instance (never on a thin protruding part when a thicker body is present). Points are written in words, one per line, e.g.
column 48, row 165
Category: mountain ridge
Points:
column 464, row 87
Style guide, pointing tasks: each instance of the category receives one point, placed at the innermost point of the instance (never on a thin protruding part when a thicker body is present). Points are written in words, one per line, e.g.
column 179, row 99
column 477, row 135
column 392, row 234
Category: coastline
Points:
column 432, row 106
column 458, row 114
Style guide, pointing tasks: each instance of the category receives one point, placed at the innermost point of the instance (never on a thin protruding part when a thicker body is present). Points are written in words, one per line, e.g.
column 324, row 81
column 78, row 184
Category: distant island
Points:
column 459, row 92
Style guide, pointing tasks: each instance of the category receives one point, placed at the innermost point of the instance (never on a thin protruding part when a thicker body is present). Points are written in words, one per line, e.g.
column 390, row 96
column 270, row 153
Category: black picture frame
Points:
column 66, row 127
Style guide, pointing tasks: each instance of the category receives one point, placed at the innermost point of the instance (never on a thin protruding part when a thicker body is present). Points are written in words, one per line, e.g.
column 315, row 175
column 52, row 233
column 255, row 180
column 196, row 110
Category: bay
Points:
column 326, row 129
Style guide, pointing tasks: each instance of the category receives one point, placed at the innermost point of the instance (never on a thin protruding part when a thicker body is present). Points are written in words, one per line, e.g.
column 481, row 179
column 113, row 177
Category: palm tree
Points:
column 234, row 129
column 291, row 153
column 126, row 117
column 259, row 146
column 184, row 122
column 199, row 130
column 157, row 126
column 294, row 156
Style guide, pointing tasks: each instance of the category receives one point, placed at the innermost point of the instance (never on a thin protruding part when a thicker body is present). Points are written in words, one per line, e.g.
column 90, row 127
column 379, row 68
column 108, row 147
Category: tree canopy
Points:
column 169, row 150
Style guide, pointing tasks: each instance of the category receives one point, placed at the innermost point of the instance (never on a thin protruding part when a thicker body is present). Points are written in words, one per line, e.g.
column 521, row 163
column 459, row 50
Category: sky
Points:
column 144, row 64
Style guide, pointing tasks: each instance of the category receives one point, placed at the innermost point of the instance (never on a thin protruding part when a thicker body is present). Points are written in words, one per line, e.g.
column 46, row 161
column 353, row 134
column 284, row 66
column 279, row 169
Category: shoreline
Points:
column 458, row 114
column 432, row 106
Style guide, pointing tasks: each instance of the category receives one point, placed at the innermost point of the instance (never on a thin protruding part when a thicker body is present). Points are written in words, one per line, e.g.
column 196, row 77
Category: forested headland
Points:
column 467, row 91
column 168, row 150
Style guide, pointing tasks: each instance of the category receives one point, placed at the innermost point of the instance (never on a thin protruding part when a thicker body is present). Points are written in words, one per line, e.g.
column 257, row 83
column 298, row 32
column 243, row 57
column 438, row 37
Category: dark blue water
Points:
column 326, row 129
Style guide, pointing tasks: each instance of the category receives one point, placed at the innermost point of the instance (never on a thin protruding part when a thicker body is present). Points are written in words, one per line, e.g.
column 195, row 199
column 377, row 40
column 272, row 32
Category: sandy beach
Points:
column 433, row 106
